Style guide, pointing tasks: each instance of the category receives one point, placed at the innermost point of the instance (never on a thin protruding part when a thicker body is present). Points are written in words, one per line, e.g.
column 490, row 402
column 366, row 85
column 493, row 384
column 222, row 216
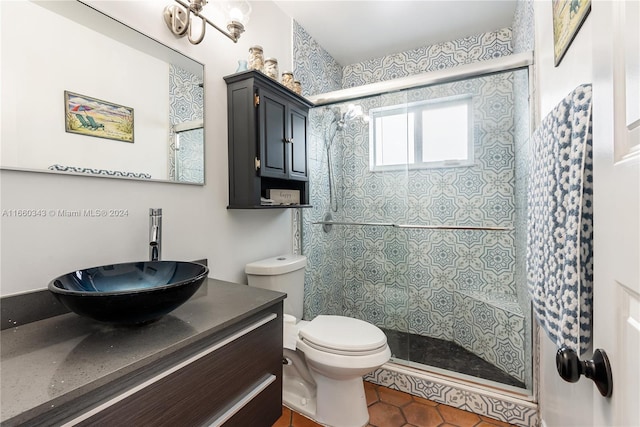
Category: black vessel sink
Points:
column 129, row 293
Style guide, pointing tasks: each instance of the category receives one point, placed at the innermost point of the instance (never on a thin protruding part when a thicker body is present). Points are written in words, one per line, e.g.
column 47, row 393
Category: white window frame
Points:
column 418, row 107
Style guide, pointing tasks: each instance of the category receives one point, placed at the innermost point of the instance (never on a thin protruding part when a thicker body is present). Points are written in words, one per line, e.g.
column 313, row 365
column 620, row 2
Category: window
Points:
column 435, row 133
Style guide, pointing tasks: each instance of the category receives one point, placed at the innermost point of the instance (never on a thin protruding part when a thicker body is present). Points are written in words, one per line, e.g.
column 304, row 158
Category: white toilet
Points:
column 327, row 356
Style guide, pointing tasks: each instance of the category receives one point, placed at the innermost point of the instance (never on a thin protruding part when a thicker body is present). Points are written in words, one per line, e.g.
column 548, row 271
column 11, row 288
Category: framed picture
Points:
column 568, row 16
column 94, row 117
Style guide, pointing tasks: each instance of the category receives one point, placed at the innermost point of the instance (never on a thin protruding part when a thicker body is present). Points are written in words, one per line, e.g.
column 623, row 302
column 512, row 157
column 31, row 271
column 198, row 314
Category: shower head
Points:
column 340, row 116
column 336, row 118
column 353, row 112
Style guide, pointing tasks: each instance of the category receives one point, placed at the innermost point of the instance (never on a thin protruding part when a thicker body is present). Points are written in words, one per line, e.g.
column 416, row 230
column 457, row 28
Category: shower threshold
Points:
column 444, row 354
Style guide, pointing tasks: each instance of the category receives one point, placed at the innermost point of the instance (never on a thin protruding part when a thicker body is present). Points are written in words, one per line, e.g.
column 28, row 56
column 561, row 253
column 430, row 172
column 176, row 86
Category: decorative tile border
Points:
column 505, row 408
column 104, row 172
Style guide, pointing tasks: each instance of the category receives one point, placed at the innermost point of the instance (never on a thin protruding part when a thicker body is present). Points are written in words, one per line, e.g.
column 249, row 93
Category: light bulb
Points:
column 238, row 11
column 235, row 15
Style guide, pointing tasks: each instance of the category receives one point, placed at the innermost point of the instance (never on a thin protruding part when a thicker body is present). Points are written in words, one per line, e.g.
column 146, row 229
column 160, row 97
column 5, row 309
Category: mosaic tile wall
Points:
column 412, row 280
column 186, row 99
column 523, row 27
column 324, row 277
column 429, row 58
column 318, row 72
column 314, row 68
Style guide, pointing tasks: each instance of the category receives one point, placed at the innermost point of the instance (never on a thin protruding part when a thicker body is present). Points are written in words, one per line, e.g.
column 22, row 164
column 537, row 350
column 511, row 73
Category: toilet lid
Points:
column 343, row 333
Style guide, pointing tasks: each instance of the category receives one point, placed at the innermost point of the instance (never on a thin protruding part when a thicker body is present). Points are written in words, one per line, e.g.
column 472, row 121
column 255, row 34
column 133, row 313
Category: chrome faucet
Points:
column 155, row 234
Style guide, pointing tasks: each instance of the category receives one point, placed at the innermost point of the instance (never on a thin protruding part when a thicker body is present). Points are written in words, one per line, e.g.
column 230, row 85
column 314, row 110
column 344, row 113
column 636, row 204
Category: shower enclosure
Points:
column 418, row 223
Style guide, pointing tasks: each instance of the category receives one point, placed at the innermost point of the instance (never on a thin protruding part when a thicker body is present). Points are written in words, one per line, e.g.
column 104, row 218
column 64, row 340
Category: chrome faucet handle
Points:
column 155, row 234
column 155, row 231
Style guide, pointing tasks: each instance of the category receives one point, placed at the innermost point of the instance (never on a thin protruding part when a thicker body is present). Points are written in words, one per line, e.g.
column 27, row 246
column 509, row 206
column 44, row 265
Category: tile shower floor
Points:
column 445, row 355
column 392, row 408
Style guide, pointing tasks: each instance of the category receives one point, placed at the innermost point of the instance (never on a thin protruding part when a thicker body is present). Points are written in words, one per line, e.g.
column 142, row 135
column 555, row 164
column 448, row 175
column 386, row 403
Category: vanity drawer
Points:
column 204, row 387
column 259, row 404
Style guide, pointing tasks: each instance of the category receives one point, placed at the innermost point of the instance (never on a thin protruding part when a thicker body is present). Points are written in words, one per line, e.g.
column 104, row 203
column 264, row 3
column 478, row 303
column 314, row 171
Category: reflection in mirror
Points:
column 186, row 147
column 80, row 50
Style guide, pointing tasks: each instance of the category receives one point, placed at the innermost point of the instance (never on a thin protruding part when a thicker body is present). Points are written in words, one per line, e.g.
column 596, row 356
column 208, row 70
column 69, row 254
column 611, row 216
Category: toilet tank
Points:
column 283, row 273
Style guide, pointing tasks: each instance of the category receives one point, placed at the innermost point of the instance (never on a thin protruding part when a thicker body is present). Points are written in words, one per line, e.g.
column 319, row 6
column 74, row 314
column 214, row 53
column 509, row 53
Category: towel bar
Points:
column 423, row 227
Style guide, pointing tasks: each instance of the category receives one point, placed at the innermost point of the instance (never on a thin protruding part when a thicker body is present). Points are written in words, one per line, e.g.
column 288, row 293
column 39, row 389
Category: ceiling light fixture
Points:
column 180, row 21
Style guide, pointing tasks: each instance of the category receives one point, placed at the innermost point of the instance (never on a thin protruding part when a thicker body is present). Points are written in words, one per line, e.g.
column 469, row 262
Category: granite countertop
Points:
column 51, row 362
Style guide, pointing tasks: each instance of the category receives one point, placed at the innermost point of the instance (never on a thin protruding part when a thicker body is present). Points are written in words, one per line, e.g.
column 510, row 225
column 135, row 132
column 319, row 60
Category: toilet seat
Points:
column 343, row 335
column 343, row 352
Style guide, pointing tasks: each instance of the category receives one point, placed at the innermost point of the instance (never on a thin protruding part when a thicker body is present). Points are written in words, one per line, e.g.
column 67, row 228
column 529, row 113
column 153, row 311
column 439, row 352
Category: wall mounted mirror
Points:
column 83, row 93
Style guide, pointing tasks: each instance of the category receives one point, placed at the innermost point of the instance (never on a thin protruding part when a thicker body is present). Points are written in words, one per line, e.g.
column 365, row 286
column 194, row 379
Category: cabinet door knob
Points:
column 288, row 140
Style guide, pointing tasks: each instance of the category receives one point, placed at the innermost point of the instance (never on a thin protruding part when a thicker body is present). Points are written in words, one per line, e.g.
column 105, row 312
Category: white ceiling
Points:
column 354, row 31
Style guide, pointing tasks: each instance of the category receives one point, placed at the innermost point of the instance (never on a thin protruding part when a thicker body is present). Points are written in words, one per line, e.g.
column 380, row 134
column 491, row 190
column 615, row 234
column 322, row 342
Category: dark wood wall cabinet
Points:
column 268, row 137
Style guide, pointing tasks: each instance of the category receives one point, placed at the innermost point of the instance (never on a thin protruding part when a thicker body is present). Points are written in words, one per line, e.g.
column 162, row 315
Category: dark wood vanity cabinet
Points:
column 268, row 138
column 233, row 379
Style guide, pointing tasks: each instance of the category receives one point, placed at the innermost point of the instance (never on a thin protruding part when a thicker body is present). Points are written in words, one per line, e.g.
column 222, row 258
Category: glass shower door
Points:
column 429, row 200
column 188, row 152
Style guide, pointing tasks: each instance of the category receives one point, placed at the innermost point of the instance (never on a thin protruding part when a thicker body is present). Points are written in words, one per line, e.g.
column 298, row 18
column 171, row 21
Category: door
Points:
column 273, row 134
column 616, row 144
column 298, row 143
column 189, row 148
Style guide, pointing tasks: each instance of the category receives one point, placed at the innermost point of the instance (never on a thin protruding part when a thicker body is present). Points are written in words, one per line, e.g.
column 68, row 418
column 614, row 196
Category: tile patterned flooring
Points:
column 392, row 408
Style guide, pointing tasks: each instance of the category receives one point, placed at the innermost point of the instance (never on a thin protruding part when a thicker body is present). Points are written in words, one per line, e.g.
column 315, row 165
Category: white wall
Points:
column 554, row 83
column 196, row 222
column 561, row 403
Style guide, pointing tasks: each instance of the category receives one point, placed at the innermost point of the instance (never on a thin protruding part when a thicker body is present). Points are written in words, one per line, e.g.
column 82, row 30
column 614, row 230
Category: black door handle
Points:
column 570, row 367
